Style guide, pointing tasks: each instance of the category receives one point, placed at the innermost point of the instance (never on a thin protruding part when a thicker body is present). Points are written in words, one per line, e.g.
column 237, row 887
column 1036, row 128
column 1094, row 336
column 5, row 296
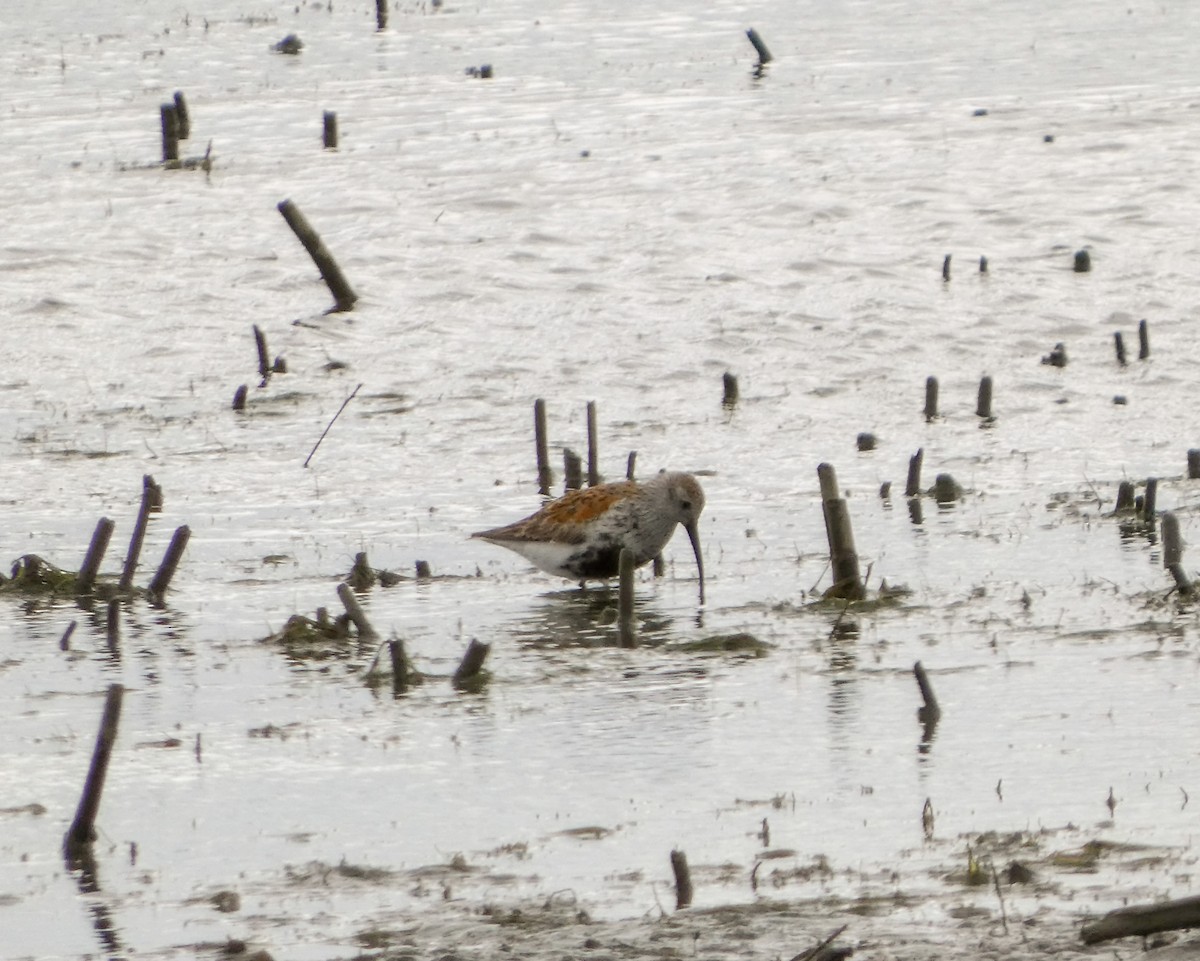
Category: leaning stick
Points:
column 343, row 296
column 139, row 534
column 842, row 555
column 354, row 609
column 472, row 662
column 1142, row 919
column 330, row 424
column 929, row 713
column 912, row 486
column 166, row 570
column 95, row 554
column 264, row 361
column 764, row 55
column 83, row 830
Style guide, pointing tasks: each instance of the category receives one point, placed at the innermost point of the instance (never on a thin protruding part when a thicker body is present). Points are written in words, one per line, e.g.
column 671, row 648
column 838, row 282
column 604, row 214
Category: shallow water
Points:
column 621, row 215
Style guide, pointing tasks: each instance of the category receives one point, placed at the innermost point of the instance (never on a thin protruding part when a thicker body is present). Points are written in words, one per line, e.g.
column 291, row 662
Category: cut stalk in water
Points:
column 847, row 583
column 683, row 879
column 572, row 470
column 264, row 361
column 593, row 468
column 356, row 614
column 166, row 570
column 545, row 477
column 1193, row 464
column 730, row 396
column 1143, row 340
column 471, row 665
column 329, row 128
column 912, row 486
column 1172, row 540
column 343, row 296
column 170, row 135
column 139, row 534
column 984, row 407
column 929, row 713
column 83, row 831
column 95, row 554
column 931, row 398
column 1119, row 343
column 764, row 55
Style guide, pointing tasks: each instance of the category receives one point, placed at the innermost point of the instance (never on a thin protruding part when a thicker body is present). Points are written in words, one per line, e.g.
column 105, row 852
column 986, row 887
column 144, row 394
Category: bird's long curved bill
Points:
column 694, row 536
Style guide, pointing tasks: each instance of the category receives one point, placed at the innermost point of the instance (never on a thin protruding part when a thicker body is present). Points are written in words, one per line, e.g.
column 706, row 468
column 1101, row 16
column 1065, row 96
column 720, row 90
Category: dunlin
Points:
column 580, row 535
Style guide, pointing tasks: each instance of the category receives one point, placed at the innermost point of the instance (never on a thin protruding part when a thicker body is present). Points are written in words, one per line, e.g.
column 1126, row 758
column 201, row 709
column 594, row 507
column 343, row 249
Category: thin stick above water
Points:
column 330, row 424
column 139, row 534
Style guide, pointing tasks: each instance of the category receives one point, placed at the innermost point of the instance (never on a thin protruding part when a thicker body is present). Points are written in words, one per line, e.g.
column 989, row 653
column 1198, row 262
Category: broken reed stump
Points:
column 912, row 486
column 931, row 398
column 764, row 55
column 381, row 14
column 572, row 470
column 329, row 131
column 593, row 470
column 1149, row 500
column 626, row 626
column 929, row 713
column 983, row 264
column 984, row 407
column 946, row 268
column 683, row 879
column 630, row 465
column 400, row 666
column 729, row 397
column 239, row 398
column 95, row 554
column 470, row 668
column 343, row 296
column 865, row 441
column 1171, row 540
column 1141, row 919
column 264, row 362
column 150, row 492
column 843, row 558
column 166, row 570
column 1143, row 340
column 183, row 120
column 1119, row 343
column 1083, row 262
column 545, row 477
column 355, row 612
column 83, row 829
column 64, row 642
column 1125, row 497
column 170, row 134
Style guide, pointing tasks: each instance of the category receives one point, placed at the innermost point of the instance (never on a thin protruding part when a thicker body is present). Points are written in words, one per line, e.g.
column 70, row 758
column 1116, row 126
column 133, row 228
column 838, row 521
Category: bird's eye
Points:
column 686, row 505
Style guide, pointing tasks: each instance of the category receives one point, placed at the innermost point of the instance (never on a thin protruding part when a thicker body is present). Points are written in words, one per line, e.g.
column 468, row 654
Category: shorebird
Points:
column 580, row 535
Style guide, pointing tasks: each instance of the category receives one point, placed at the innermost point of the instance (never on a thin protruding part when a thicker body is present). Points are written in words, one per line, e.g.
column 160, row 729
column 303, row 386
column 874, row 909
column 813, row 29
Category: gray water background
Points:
column 622, row 214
